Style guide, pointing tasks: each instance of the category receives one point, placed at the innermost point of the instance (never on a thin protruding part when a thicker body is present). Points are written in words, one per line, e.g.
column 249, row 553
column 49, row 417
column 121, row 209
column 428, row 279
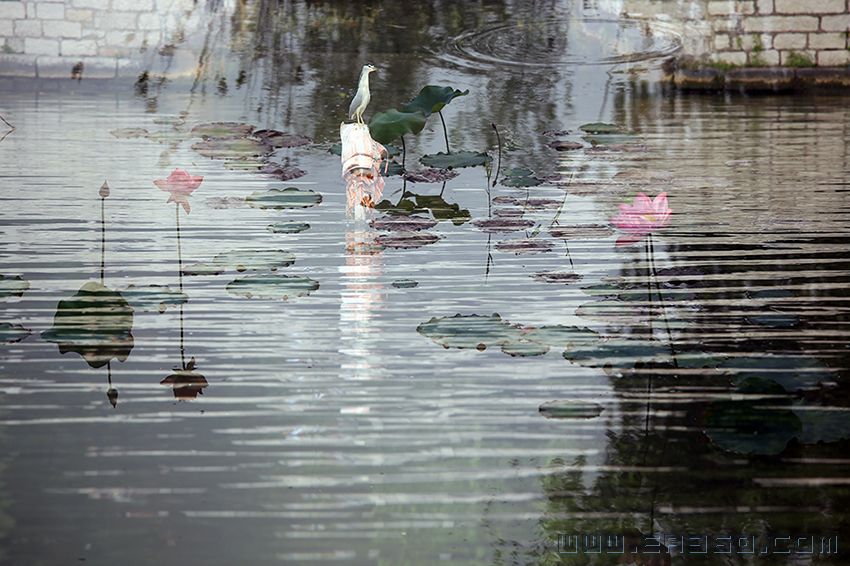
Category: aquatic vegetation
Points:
column 432, row 99
column 530, row 246
column 288, row 227
column 153, row 298
column 272, row 286
column 255, row 259
column 11, row 333
column 406, row 240
column 455, row 160
column 565, row 277
column 470, row 331
column 180, row 185
column 95, row 323
column 203, row 269
column 13, row 285
column 520, row 177
column 436, row 205
column 751, row 427
column 405, row 283
column 430, row 175
column 289, row 197
column 222, row 130
column 642, row 217
column 185, row 382
column 231, row 149
column 570, row 409
column 278, row 139
column 497, row 225
column 601, row 128
column 402, row 223
column 562, row 145
column 388, row 126
column 761, row 374
column 279, row 172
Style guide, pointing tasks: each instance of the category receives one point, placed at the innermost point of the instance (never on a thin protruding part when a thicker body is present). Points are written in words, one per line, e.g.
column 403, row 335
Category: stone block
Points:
column 12, row 10
column 809, row 6
column 755, row 42
column 833, row 58
column 50, row 10
column 77, row 47
column 31, row 9
column 38, row 46
column 764, row 7
column 781, row 24
column 134, row 5
column 94, row 4
column 754, row 80
column 787, row 57
column 722, row 41
column 835, row 23
column 721, row 7
column 731, row 57
column 115, row 20
column 17, row 65
column 59, row 28
column 28, row 28
column 149, row 22
column 790, row 41
column 828, row 40
column 5, row 28
column 78, row 15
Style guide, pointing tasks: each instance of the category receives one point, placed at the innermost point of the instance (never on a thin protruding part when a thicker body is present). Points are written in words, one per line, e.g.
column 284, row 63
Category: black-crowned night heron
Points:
column 361, row 99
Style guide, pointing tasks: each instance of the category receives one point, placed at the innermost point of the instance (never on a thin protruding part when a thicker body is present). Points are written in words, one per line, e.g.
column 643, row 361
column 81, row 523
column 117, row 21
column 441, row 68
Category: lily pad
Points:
column 388, row 126
column 95, row 323
column 288, row 227
column 272, row 286
column 823, row 424
column 520, row 177
column 792, row 372
column 278, row 139
column 443, row 210
column 617, row 312
column 560, row 336
column 524, row 349
column 231, row 149
column 524, row 246
column 11, row 333
column 430, row 175
column 250, row 165
column 432, row 99
column 470, row 331
column 562, row 145
column 13, row 285
column 543, row 203
column 405, row 283
column 744, row 427
column 222, row 130
column 556, row 133
column 129, row 133
column 154, row 298
column 185, row 384
column 506, row 200
column 454, row 160
column 618, row 355
column 567, row 409
column 564, row 277
column 496, row 225
column 255, row 259
column 509, row 212
column 402, row 223
column 601, row 128
column 290, row 197
column 582, row 232
column 203, row 269
column 406, row 240
column 281, row 172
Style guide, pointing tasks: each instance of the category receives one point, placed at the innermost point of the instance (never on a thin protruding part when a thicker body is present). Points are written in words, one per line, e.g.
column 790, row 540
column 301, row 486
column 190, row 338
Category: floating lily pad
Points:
column 509, row 212
column 290, row 197
column 567, row 409
column 496, row 225
column 432, row 99
column 402, row 223
column 520, row 177
column 281, row 172
column 601, row 128
column 405, row 283
column 561, row 337
column 470, row 331
column 388, row 126
column 525, row 246
column 564, row 277
column 506, row 200
column 562, row 145
column 278, row 139
column 581, row 232
column 231, row 149
column 255, row 259
column 250, row 165
column 154, row 298
column 744, row 427
column 13, row 285
column 203, row 269
column 792, row 372
column 406, row 240
column 129, row 133
column 555, row 133
column 95, row 323
column 11, row 333
column 171, row 137
column 617, row 312
column 430, row 175
column 272, row 286
column 443, row 210
column 618, row 355
column 288, row 227
column 454, row 160
column 222, row 130
column 524, row 349
column 543, row 203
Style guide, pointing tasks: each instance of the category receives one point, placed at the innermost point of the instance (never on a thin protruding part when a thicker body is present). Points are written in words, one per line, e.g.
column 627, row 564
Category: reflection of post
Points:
column 362, row 297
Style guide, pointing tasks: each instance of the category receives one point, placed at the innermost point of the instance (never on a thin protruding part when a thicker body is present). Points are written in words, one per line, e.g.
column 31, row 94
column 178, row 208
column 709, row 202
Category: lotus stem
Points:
column 403, row 152
column 661, row 300
column 499, row 162
column 180, row 283
column 445, row 131
column 11, row 127
column 102, row 239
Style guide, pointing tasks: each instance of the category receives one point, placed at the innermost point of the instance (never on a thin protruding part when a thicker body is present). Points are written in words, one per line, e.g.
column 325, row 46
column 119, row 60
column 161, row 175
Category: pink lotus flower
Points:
column 180, row 184
column 641, row 218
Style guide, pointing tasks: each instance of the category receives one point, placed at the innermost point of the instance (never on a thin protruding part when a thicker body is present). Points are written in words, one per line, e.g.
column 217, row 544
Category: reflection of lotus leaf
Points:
column 388, row 126
column 520, row 177
column 222, row 130
column 288, row 227
column 231, row 149
column 290, row 197
column 570, row 410
column 503, row 224
column 96, row 323
column 272, row 286
column 154, row 297
column 432, row 99
column 760, row 373
column 203, row 269
column 13, row 286
column 524, row 349
column 745, row 427
column 255, row 259
column 185, row 384
column 454, row 160
column 10, row 333
column 601, row 128
column 470, row 331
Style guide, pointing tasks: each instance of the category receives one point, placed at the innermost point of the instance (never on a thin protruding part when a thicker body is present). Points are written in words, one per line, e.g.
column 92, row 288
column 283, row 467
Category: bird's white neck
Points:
column 364, row 78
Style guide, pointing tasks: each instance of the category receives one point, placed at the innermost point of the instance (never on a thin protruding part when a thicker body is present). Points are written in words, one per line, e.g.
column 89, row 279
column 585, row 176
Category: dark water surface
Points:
column 703, row 372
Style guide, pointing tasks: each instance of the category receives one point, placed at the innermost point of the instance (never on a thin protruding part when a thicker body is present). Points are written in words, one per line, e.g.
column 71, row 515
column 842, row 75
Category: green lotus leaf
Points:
column 568, row 409
column 272, row 286
column 95, row 323
column 562, row 337
column 601, row 128
column 823, row 424
column 442, row 210
column 524, row 349
column 470, row 331
column 388, row 126
column 288, row 227
column 520, row 177
column 432, row 99
column 454, row 160
column 290, row 197
column 405, row 283
column 203, row 269
column 13, row 285
column 10, row 333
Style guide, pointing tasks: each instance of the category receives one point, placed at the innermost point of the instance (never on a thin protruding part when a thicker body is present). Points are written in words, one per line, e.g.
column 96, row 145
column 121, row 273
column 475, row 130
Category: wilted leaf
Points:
column 496, row 225
column 558, row 277
column 524, row 246
column 402, row 223
column 430, row 175
column 278, row 139
column 406, row 240
column 281, row 172
column 231, row 149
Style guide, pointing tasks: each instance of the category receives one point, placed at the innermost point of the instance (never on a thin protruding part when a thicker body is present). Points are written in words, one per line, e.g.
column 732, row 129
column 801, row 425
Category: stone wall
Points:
column 89, row 38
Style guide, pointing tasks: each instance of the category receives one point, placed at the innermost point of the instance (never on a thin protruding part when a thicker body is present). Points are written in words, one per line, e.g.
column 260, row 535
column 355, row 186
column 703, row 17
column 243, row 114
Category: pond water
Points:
column 291, row 385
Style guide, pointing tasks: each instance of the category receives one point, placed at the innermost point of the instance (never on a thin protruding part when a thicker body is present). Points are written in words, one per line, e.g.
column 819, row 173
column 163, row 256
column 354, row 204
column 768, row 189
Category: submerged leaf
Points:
column 255, row 259
column 520, row 177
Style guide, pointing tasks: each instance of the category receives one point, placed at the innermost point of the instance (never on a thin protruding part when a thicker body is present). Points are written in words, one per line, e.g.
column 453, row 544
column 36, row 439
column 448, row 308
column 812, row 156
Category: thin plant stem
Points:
column 445, row 131
column 11, row 127
column 102, row 240
column 403, row 152
column 180, row 283
column 498, row 163
column 661, row 301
